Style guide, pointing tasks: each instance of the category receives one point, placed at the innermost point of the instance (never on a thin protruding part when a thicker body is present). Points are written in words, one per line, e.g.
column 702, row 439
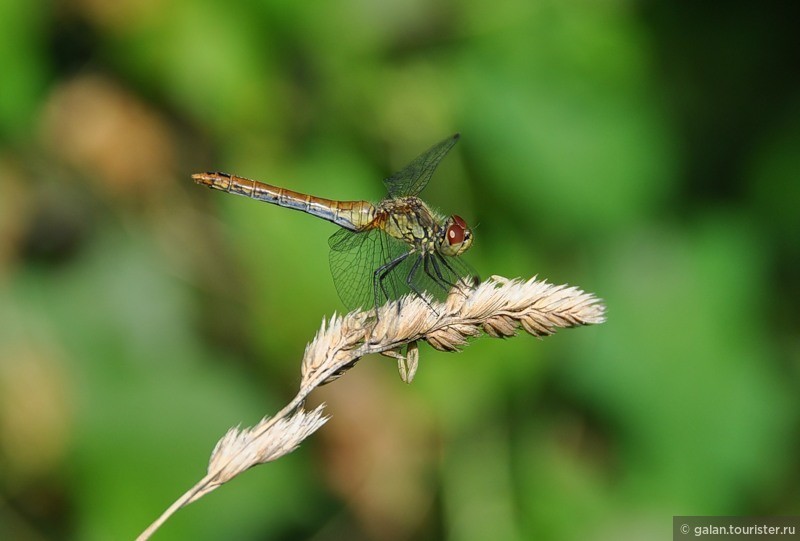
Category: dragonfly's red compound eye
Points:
column 456, row 231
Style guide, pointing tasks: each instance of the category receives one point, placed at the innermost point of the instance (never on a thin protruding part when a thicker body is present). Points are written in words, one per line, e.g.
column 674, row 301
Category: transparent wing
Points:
column 412, row 179
column 354, row 258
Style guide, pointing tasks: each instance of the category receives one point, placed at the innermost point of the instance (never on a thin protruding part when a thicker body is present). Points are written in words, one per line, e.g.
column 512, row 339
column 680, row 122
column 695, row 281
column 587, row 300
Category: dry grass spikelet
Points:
column 498, row 307
column 272, row 438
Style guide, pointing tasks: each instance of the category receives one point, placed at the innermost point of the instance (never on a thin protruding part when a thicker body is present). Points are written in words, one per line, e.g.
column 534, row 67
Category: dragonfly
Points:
column 381, row 251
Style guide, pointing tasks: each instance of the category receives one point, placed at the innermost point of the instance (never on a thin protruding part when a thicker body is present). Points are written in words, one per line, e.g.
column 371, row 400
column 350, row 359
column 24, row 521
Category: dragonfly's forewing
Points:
column 413, row 178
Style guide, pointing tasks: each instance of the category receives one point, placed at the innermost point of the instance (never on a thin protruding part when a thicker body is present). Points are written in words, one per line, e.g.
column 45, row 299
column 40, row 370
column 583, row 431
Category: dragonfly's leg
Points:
column 380, row 274
column 412, row 273
column 410, row 279
column 439, row 279
column 431, row 261
column 461, row 282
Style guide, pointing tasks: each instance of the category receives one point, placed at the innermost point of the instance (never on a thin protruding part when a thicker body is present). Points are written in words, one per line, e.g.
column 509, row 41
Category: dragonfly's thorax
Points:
column 410, row 220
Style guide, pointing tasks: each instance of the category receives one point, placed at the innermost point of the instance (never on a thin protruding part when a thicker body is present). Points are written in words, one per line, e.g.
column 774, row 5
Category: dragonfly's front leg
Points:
column 410, row 279
column 380, row 274
column 440, row 280
column 460, row 283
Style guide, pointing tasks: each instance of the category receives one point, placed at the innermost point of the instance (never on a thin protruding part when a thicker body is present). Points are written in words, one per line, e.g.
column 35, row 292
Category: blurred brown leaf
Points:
column 377, row 452
column 109, row 134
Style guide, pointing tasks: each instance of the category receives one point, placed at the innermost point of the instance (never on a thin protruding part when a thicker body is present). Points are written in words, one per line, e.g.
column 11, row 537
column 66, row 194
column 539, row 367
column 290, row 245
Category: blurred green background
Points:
column 645, row 151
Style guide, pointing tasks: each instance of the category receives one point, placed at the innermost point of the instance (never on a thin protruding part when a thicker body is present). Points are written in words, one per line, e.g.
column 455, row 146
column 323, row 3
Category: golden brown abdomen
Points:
column 352, row 215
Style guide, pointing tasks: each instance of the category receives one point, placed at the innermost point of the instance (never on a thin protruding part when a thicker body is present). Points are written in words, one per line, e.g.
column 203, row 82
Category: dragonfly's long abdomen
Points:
column 353, row 215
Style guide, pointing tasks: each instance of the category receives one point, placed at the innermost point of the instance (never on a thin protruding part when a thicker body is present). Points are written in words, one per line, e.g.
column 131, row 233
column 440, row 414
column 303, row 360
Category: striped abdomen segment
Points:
column 353, row 215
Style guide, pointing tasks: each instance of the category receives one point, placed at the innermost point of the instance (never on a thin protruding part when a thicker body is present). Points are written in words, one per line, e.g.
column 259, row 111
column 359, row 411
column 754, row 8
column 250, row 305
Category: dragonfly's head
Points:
column 457, row 236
